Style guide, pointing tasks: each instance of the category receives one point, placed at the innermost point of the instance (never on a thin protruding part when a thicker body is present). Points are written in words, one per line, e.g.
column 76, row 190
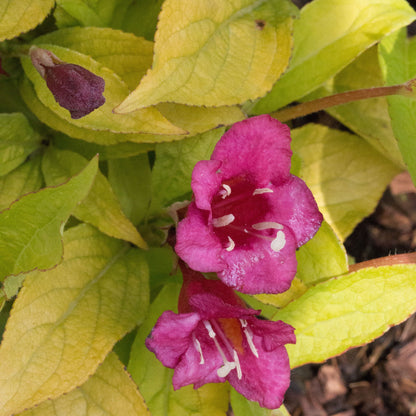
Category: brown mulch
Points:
column 378, row 379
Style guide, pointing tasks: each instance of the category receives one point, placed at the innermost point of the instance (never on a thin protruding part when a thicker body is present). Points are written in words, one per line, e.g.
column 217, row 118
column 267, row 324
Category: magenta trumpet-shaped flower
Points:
column 249, row 214
column 74, row 87
column 216, row 338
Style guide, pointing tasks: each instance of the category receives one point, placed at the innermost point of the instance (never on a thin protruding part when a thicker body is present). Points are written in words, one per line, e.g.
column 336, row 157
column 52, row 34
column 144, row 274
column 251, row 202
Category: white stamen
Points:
column 262, row 191
column 231, row 244
column 208, row 326
column 223, row 221
column 279, row 242
column 226, row 191
column 267, row 225
column 249, row 337
column 197, row 346
column 228, row 366
column 225, row 369
column 237, row 365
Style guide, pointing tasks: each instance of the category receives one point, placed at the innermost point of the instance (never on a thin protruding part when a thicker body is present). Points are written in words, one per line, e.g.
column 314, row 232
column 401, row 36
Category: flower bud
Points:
column 74, row 87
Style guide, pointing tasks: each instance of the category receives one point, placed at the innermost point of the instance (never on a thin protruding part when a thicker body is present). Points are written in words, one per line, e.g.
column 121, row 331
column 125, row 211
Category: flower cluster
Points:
column 247, row 218
column 74, row 87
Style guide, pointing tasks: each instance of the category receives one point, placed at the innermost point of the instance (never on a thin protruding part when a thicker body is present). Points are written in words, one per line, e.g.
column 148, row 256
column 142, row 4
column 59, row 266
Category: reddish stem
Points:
column 319, row 104
column 407, row 258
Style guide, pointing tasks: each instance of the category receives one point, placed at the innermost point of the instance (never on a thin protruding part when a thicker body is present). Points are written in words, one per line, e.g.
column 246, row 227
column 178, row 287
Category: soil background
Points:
column 377, row 379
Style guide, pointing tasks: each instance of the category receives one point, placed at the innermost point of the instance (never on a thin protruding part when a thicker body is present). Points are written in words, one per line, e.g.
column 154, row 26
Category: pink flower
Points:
column 249, row 214
column 216, row 338
column 74, row 87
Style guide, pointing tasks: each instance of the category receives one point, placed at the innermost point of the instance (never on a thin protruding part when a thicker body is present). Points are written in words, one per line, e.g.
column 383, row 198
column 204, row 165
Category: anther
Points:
column 279, row 242
column 226, row 368
column 223, row 221
column 260, row 191
column 226, row 191
column 231, row 244
column 267, row 225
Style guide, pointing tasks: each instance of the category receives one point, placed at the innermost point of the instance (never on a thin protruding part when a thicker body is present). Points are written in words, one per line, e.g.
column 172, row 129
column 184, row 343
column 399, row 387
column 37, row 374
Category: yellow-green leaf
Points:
column 18, row 16
column 297, row 289
column 112, row 151
column 24, row 179
column 398, row 61
column 368, row 118
column 108, row 392
column 130, row 179
column 101, row 207
column 155, row 380
column 243, row 407
column 345, row 174
column 322, row 257
column 17, row 141
column 198, row 120
column 215, row 54
column 31, row 229
column 327, row 37
column 66, row 320
column 144, row 121
column 349, row 311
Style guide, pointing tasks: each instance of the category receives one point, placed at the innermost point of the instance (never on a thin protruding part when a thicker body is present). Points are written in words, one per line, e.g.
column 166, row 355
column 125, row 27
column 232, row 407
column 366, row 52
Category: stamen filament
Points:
column 224, row 370
column 197, row 346
column 237, row 365
column 249, row 337
column 230, row 349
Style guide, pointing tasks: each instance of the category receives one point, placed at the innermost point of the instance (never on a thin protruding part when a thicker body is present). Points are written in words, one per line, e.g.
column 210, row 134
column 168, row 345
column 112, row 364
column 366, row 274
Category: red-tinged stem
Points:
column 407, row 258
column 319, row 104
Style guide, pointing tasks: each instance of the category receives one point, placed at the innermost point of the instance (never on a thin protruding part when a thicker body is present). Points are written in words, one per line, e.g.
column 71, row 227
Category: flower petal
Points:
column 259, row 269
column 172, row 336
column 273, row 334
column 293, row 205
column 258, row 147
column 206, row 182
column 209, row 305
column 198, row 367
column 264, row 379
column 197, row 244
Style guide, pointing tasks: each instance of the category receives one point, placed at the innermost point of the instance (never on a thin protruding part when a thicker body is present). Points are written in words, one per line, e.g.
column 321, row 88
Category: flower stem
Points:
column 313, row 106
column 407, row 258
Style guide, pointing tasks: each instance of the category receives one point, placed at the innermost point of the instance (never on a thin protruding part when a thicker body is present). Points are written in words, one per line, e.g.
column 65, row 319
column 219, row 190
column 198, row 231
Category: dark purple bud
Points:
column 74, row 87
